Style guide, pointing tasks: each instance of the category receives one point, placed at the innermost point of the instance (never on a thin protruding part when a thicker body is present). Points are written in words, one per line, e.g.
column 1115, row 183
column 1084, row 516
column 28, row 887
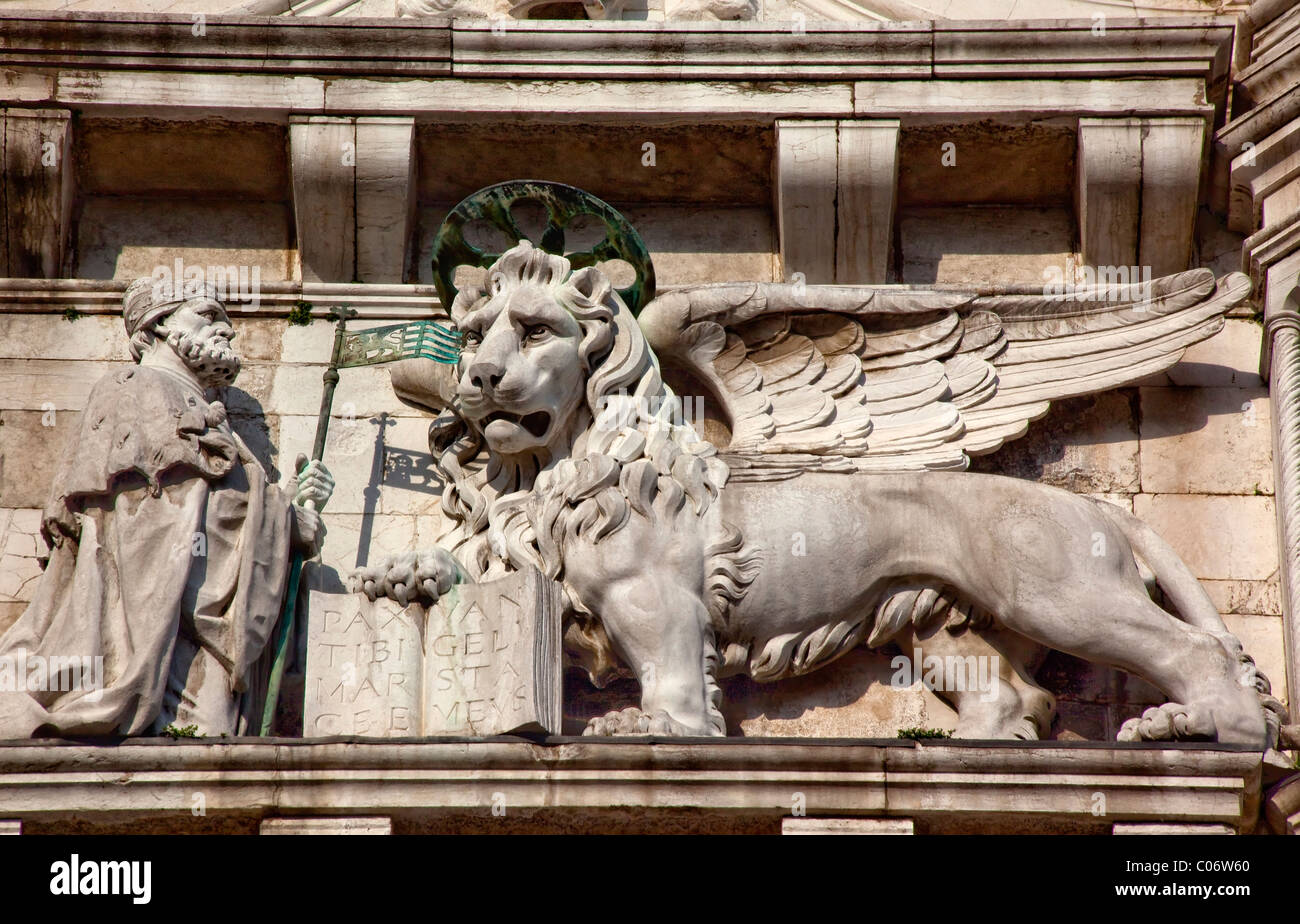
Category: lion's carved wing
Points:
column 892, row 378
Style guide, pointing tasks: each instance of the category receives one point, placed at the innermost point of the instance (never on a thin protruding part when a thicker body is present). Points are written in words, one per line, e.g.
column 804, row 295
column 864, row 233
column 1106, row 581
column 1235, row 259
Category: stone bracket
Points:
column 327, row 825
column 836, row 191
column 38, row 193
column 1138, row 191
column 847, row 826
column 353, row 196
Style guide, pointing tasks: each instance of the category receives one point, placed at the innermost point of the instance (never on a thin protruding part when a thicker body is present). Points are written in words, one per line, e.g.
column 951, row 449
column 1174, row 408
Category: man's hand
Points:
column 308, row 530
column 315, row 483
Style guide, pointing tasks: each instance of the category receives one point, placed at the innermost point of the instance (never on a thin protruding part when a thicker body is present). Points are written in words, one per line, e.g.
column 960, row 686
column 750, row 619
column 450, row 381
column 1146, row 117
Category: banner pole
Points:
column 289, row 613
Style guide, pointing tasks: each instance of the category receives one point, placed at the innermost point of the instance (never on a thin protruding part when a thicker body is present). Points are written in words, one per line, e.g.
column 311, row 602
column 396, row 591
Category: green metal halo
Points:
column 563, row 204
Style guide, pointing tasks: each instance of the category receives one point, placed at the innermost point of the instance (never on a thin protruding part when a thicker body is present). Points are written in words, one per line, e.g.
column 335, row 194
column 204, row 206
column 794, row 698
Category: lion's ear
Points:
column 466, row 301
column 591, row 283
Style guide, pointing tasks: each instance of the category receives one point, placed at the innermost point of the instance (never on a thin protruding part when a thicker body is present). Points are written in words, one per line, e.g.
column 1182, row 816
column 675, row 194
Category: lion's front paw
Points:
column 632, row 721
column 1170, row 722
column 408, row 577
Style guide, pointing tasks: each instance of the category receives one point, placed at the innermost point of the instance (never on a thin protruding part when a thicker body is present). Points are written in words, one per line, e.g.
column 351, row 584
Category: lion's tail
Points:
column 1175, row 579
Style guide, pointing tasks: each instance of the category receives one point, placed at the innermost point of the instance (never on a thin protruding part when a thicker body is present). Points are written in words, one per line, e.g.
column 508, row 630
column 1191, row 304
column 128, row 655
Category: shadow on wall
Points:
column 251, row 425
column 850, row 698
column 364, row 464
column 127, row 237
column 1111, row 419
column 984, row 244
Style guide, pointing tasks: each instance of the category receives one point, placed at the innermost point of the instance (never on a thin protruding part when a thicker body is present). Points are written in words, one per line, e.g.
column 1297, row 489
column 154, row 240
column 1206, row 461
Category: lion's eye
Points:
column 536, row 332
column 470, row 339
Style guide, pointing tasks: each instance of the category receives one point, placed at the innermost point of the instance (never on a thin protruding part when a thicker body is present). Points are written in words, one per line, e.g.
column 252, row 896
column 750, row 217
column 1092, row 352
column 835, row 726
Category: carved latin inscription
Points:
column 492, row 659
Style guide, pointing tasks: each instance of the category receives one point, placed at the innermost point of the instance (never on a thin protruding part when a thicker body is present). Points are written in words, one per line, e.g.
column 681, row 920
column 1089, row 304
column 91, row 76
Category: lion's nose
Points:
column 485, row 376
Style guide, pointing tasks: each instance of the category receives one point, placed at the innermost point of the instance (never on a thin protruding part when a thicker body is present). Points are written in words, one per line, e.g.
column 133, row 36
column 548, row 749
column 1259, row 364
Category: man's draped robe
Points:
column 160, row 522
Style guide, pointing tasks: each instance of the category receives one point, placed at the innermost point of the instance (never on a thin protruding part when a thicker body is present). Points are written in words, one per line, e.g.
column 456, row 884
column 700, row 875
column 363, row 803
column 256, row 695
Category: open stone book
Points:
column 485, row 660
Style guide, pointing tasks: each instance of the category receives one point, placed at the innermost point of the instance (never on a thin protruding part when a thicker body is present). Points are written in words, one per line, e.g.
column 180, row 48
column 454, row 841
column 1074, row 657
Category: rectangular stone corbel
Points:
column 353, row 196
column 836, row 190
column 38, row 179
column 1172, row 150
column 1138, row 189
column 1109, row 190
column 11, row 827
column 385, row 178
column 322, row 163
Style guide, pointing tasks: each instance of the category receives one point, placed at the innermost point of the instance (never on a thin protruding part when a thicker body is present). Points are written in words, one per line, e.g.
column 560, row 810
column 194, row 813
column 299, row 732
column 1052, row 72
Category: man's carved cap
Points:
column 149, row 299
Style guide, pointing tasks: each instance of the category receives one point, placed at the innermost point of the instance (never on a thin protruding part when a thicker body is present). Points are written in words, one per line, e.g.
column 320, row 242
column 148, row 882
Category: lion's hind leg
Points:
column 994, row 693
column 1119, row 625
column 1194, row 605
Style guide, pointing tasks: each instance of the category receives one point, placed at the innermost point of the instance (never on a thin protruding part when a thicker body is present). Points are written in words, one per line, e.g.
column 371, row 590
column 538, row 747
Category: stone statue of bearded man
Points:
column 169, row 551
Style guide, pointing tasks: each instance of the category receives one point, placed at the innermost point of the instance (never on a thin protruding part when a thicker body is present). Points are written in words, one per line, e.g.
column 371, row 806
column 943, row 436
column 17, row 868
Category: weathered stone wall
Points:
column 1188, row 451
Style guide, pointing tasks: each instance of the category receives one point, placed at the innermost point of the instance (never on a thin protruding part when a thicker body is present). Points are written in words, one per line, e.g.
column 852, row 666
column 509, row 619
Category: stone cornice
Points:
column 418, row 779
column 284, row 45
column 1261, row 121
column 270, row 97
column 1269, row 245
column 274, row 299
column 1270, row 75
column 756, row 51
column 1191, row 46
column 267, row 68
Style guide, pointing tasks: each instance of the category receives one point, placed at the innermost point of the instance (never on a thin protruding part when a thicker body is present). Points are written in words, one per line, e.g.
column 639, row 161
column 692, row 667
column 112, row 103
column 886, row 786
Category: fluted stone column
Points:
column 1263, row 137
column 1282, row 335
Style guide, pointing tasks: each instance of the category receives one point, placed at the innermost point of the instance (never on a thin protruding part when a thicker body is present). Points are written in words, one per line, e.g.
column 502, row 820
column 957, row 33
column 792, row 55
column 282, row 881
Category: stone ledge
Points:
column 1191, row 46
column 1260, row 122
column 327, row 825
column 140, row 784
column 583, row 97
column 559, row 49
column 805, row 826
column 275, row 299
column 153, row 41
column 941, row 100
column 379, row 300
column 1195, row 46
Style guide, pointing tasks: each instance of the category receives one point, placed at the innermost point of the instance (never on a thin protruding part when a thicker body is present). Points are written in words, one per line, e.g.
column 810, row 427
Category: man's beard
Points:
column 208, row 355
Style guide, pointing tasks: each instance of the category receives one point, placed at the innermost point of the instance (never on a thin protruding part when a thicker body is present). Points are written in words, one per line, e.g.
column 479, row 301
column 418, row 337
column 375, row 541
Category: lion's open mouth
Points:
column 535, row 423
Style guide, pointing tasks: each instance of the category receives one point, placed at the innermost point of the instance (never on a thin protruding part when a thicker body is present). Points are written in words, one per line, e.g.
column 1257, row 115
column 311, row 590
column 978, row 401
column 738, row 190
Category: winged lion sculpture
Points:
column 821, row 505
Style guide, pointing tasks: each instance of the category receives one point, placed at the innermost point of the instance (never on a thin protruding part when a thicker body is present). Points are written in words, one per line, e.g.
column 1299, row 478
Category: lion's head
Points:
column 533, row 335
column 560, row 420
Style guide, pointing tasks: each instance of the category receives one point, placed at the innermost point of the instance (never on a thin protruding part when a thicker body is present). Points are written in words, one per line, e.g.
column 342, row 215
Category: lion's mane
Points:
column 628, row 451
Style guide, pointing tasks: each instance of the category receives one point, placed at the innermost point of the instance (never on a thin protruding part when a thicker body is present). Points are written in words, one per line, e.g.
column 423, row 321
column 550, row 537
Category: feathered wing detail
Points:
column 894, row 378
column 1060, row 349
